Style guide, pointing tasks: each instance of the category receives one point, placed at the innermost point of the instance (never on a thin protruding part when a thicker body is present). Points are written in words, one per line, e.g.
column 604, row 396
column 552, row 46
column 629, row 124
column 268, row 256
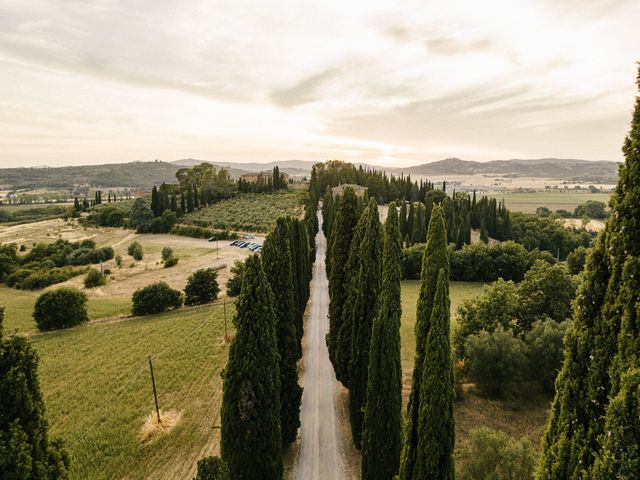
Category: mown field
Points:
column 97, row 389
column 529, row 202
column 522, row 418
column 255, row 212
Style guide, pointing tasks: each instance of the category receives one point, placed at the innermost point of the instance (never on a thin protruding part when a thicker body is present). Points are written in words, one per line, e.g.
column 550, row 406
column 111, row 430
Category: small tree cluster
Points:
column 94, row 278
column 61, row 308
column 135, row 250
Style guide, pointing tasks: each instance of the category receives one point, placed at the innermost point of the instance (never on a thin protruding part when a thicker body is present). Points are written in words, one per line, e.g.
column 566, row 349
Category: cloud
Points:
column 305, row 90
column 454, row 46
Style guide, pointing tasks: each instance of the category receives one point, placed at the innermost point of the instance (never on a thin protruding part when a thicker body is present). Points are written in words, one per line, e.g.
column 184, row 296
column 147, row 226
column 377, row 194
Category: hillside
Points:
column 132, row 175
column 560, row 169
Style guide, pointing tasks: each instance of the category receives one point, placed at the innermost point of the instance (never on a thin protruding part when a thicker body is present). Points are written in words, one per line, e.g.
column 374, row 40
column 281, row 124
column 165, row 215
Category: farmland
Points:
column 529, row 202
column 249, row 211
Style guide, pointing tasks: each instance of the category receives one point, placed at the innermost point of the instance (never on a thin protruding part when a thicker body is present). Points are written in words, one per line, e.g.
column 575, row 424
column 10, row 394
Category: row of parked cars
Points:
column 254, row 247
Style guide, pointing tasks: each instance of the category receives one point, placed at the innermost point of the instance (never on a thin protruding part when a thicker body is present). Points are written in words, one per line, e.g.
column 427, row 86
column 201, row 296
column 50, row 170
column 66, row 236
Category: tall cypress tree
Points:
column 403, row 220
column 276, row 259
column 436, row 425
column 251, row 441
column 382, row 437
column 602, row 347
column 435, row 258
column 364, row 310
column 25, row 450
column 343, row 224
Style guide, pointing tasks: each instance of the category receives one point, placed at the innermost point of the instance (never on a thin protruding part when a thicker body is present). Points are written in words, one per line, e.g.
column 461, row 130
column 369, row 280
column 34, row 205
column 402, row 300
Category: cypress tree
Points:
column 189, row 199
column 251, row 442
column 276, row 259
column 436, row 425
column 196, row 197
column 602, row 346
column 410, row 219
column 382, row 437
column 483, row 231
column 364, row 310
column 344, row 222
column 403, row 219
column 435, row 258
column 183, row 208
column 25, row 450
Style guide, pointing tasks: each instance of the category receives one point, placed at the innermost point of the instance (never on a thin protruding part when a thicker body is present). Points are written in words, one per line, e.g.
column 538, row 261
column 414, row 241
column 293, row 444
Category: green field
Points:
column 19, row 308
column 97, row 390
column 527, row 417
column 528, row 202
column 249, row 211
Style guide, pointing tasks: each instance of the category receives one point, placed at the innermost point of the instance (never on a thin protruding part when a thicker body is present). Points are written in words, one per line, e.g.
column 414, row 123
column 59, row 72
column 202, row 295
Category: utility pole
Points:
column 155, row 395
column 224, row 306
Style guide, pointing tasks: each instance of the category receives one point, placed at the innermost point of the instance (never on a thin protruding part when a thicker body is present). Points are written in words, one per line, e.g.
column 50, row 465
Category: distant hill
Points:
column 131, row 175
column 291, row 167
column 555, row 168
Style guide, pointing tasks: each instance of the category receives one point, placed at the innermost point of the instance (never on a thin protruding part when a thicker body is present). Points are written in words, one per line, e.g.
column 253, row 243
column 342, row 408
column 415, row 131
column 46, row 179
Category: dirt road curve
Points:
column 320, row 455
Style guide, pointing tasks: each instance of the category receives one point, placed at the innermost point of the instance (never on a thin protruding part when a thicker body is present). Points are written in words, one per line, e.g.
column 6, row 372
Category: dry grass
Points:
column 152, row 429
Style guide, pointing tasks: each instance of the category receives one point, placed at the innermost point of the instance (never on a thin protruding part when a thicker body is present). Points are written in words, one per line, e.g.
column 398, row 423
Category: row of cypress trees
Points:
column 364, row 342
column 261, row 396
column 594, row 427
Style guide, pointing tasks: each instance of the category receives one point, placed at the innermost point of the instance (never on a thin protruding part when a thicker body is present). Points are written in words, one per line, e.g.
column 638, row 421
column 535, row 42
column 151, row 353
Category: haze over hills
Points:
column 147, row 174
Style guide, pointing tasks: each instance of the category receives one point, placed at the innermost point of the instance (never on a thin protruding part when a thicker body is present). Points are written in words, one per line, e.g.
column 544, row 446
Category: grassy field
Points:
column 523, row 418
column 528, row 202
column 99, row 401
column 249, row 211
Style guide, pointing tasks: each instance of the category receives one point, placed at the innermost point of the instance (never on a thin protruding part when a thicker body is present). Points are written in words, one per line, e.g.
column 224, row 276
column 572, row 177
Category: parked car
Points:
column 248, row 235
column 235, row 243
column 213, row 239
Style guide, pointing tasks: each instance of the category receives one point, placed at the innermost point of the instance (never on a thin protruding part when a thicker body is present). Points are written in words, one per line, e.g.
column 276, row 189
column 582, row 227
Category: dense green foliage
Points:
column 33, row 213
column 251, row 441
column 202, row 232
column 596, row 389
column 155, row 298
column 494, row 455
column 135, row 250
column 94, row 278
column 212, row 468
column 202, row 287
column 234, row 283
column 25, row 449
column 591, row 209
column 416, row 438
column 61, row 308
column 576, row 260
column 277, row 263
column 382, row 437
column 339, row 242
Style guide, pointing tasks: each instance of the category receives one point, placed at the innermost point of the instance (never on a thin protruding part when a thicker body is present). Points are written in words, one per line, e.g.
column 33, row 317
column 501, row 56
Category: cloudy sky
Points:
column 93, row 81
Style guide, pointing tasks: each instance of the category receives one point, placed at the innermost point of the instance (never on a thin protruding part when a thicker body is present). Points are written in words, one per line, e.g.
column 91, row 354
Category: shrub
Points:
column 170, row 262
column 94, row 279
column 118, row 260
column 212, row 468
column 155, row 298
column 167, row 252
column 107, row 271
column 495, row 362
column 202, row 287
column 61, row 308
column 87, row 243
column 494, row 455
column 235, row 280
column 132, row 247
column 86, row 255
column 135, row 250
column 544, row 350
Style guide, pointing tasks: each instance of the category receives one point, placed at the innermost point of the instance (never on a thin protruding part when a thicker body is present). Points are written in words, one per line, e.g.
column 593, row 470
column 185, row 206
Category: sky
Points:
column 388, row 83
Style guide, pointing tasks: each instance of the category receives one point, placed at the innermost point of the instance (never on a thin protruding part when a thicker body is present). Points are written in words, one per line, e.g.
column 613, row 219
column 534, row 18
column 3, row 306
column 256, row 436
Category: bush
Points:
column 42, row 277
column 212, row 468
column 544, row 350
column 61, row 308
column 494, row 455
column 170, row 262
column 132, row 247
column 118, row 260
column 235, row 280
column 135, row 250
column 202, row 287
column 202, row 232
column 94, row 279
column 155, row 298
column 167, row 252
column 496, row 362
column 86, row 255
column 163, row 223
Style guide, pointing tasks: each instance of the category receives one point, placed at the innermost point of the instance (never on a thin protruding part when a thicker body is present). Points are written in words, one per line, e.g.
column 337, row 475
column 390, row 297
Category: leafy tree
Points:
column 365, row 301
column 167, row 252
column 202, row 287
column 155, row 298
column 494, row 455
column 94, row 278
column 382, row 437
column 602, row 346
column 25, row 449
column 591, row 209
column 435, row 259
column 141, row 215
column 251, row 441
column 61, row 308
column 544, row 350
column 340, row 240
column 212, row 468
column 276, row 260
column 234, row 283
column 576, row 260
